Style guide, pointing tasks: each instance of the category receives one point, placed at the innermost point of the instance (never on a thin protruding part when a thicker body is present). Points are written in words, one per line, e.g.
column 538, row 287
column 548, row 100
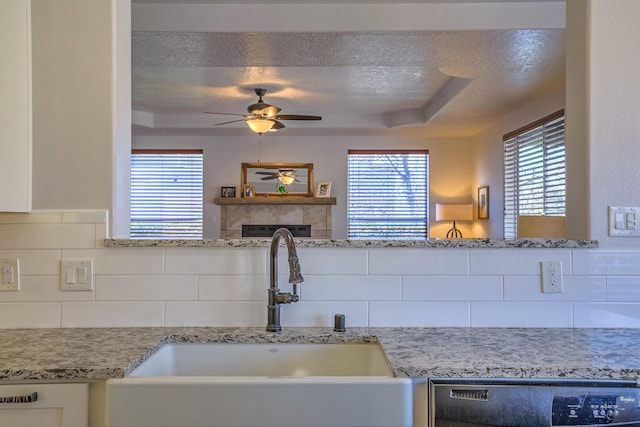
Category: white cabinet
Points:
column 53, row 405
column 15, row 106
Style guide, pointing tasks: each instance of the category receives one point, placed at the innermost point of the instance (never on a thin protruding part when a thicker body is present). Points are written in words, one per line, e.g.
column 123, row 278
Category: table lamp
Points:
column 454, row 212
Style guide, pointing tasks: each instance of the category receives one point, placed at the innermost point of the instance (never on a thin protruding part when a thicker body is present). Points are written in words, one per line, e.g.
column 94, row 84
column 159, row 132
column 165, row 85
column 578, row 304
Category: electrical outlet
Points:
column 76, row 275
column 551, row 276
column 9, row 275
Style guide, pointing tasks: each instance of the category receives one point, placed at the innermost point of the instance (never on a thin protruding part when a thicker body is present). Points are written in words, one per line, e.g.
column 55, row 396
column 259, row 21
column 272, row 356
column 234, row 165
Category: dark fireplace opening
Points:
column 300, row 230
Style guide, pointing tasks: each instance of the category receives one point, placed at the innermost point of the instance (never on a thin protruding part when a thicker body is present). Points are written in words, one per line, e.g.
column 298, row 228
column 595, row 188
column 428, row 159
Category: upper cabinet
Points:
column 15, row 106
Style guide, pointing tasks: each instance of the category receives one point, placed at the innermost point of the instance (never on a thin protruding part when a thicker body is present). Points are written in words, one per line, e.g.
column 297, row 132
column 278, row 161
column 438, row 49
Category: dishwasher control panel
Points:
column 533, row 403
column 592, row 407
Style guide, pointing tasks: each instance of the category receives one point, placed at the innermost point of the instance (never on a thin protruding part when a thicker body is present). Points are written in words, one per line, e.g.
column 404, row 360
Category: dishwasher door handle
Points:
column 26, row 398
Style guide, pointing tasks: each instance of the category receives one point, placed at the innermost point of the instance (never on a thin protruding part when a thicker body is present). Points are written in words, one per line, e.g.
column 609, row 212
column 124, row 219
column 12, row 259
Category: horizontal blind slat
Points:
column 166, row 195
column 387, row 195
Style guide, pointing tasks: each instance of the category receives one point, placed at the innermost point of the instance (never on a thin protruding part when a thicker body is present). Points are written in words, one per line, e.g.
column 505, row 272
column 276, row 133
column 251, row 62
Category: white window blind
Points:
column 534, row 172
column 166, row 194
column 388, row 194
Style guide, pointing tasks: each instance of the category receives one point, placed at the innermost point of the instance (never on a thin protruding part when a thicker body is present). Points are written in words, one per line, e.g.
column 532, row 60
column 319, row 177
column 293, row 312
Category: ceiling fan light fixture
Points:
column 260, row 126
column 286, row 179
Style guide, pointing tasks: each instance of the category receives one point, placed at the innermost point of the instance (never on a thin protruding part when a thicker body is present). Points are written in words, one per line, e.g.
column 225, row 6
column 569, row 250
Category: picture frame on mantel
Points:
column 227, row 191
column 248, row 191
column 323, row 189
column 483, row 202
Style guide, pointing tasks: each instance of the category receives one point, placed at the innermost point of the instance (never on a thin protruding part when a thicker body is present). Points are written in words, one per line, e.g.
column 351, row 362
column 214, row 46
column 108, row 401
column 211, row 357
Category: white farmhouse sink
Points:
column 270, row 360
column 261, row 385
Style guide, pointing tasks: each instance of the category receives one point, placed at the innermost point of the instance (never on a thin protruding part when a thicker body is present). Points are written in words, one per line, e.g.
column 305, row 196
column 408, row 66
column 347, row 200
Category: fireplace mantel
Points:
column 292, row 210
column 275, row 200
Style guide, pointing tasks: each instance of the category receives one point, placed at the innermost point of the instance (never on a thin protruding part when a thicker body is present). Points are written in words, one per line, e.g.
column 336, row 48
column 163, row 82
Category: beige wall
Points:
column 613, row 112
column 488, row 155
column 451, row 167
column 72, row 118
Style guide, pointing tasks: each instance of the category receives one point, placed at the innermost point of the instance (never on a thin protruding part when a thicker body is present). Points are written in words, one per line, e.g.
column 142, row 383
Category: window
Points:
column 388, row 194
column 166, row 194
column 534, row 171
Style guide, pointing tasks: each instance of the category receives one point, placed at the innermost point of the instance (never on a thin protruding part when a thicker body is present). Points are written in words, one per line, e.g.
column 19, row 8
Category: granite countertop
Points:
column 325, row 243
column 85, row 354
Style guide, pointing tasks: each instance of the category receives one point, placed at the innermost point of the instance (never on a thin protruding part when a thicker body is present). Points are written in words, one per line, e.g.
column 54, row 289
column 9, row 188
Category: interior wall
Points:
column 451, row 167
column 72, row 122
column 614, row 107
column 489, row 155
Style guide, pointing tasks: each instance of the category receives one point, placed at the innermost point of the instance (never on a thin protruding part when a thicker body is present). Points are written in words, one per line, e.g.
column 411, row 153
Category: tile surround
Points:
column 372, row 285
column 234, row 216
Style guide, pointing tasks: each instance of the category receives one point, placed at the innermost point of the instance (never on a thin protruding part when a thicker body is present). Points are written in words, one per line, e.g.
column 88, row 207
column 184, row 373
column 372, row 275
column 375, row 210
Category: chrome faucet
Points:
column 275, row 297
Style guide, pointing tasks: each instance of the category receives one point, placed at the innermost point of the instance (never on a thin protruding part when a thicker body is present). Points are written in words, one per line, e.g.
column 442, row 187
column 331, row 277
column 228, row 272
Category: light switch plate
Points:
column 76, row 275
column 624, row 221
column 9, row 274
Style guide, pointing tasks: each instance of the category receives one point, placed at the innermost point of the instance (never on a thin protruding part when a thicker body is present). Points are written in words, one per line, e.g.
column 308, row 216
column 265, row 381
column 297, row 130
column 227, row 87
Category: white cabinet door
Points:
column 55, row 405
column 15, row 106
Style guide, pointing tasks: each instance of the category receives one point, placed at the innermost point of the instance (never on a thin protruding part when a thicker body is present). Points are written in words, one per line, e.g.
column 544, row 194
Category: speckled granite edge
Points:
column 86, row 354
column 321, row 243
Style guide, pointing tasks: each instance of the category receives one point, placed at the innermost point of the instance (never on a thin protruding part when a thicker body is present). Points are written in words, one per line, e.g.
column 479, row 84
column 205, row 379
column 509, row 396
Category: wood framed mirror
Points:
column 285, row 179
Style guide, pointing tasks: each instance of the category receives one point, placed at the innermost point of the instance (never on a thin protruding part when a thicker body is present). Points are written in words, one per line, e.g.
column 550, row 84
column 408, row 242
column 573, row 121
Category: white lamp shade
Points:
column 260, row 125
column 454, row 212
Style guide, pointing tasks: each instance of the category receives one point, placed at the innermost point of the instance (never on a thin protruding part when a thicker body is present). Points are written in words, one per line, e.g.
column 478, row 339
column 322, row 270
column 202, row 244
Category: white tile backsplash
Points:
column 146, row 288
column 30, row 315
column 233, row 287
column 518, row 261
column 452, row 288
column 521, row 314
column 351, row 288
column 216, row 313
column 418, row 261
column 215, row 261
column 327, row 261
column 47, row 236
column 316, row 313
column 625, row 289
column 607, row 262
column 606, row 315
column 112, row 314
column 574, row 288
column 412, row 313
column 372, row 287
column 44, row 288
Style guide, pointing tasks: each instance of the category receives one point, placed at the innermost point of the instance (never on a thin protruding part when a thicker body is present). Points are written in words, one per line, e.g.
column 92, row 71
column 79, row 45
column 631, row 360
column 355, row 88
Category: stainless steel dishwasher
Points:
column 525, row 403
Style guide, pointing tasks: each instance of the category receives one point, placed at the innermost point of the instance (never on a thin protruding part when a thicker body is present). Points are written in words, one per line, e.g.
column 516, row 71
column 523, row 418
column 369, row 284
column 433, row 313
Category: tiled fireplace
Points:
column 236, row 212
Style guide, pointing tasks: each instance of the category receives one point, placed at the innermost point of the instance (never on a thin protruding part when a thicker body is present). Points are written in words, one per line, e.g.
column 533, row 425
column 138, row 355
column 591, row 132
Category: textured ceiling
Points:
column 438, row 83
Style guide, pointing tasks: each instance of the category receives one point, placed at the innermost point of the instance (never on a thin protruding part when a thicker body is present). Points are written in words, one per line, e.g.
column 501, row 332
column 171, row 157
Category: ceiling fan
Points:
column 285, row 176
column 263, row 117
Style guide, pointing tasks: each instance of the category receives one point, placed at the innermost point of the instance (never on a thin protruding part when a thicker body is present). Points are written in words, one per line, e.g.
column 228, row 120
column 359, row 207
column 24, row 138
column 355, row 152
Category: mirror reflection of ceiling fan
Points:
column 263, row 117
column 285, row 176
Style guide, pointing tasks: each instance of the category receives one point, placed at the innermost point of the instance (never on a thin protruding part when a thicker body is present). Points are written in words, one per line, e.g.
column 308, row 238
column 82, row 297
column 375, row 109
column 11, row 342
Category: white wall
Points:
column 451, row 164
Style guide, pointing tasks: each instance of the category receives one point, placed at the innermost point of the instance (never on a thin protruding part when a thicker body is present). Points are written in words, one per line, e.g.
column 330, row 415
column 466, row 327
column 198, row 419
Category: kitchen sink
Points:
column 261, row 385
column 271, row 360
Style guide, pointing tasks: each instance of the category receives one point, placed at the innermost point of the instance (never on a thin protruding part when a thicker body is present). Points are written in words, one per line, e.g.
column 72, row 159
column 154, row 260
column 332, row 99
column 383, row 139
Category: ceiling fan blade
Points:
column 266, row 173
column 225, row 114
column 296, row 117
column 277, row 126
column 232, row 121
